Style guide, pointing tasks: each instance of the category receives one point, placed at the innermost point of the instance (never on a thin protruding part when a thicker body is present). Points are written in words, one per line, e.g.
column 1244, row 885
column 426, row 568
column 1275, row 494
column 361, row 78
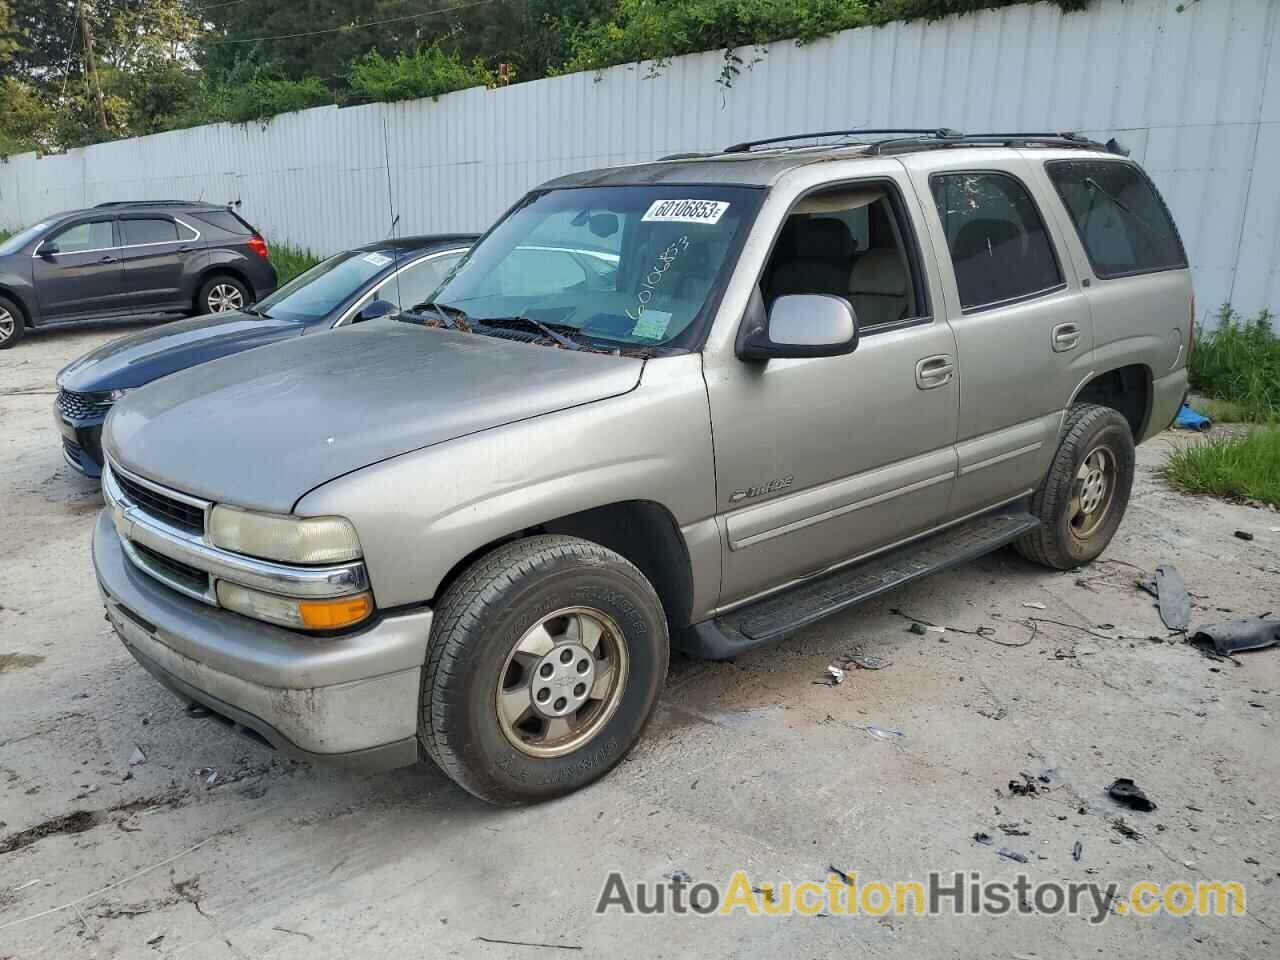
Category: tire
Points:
column 1070, row 534
column 13, row 323
column 222, row 293
column 499, row 604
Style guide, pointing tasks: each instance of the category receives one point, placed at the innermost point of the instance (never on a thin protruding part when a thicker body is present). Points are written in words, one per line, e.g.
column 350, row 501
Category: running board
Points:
column 775, row 617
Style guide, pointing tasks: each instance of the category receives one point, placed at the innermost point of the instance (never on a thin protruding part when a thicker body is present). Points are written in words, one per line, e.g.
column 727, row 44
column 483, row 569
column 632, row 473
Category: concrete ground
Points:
column 213, row 847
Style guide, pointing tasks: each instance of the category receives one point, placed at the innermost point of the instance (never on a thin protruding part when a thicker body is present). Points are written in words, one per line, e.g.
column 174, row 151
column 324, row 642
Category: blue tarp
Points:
column 1188, row 419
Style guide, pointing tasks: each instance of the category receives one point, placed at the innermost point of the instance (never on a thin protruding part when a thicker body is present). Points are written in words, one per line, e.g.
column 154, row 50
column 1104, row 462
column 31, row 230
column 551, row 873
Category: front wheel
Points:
column 11, row 323
column 545, row 663
column 222, row 294
column 1083, row 499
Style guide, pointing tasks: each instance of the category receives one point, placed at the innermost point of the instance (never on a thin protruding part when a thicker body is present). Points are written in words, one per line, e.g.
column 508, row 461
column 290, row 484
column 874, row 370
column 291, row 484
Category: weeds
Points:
column 1239, row 361
column 291, row 261
column 1245, row 466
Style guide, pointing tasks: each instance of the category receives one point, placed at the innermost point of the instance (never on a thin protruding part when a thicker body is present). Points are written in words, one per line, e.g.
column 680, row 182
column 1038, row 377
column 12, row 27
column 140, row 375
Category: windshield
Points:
column 20, row 240
column 623, row 266
column 324, row 287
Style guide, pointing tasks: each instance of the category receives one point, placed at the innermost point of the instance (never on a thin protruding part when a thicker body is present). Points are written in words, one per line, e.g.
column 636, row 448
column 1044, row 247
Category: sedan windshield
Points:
column 324, row 287
column 611, row 267
column 20, row 240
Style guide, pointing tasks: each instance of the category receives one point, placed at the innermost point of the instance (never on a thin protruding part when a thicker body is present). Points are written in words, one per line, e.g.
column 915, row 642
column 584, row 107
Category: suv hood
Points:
column 261, row 429
column 150, row 354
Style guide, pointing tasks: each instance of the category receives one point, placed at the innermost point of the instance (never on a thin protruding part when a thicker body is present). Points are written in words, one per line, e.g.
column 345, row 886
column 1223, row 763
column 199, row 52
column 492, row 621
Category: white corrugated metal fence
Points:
column 1194, row 93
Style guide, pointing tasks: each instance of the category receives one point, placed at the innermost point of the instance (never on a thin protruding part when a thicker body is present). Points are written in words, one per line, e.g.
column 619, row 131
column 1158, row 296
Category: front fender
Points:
column 421, row 514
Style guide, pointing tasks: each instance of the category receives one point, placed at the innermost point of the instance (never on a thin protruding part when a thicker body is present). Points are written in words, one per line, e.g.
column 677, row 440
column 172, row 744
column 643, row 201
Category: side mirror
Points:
column 801, row 325
column 47, row 249
column 375, row 309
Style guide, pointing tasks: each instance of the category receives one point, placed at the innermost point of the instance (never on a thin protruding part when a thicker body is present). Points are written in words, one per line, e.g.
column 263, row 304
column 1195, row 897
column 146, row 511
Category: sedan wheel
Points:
column 8, row 325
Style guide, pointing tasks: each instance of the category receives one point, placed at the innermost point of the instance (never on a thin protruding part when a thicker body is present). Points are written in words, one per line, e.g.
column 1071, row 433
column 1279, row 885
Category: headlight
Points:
column 286, row 539
column 289, row 612
column 115, row 396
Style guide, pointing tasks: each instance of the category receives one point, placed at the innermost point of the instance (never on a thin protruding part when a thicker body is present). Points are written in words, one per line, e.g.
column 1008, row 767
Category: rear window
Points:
column 225, row 220
column 1122, row 222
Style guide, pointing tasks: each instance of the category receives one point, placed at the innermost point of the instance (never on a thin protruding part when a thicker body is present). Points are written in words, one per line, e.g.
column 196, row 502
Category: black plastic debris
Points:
column 1243, row 535
column 1077, row 851
column 983, row 838
column 1237, row 636
column 1012, row 855
column 1026, row 788
column 844, row 877
column 1122, row 828
column 1124, row 791
column 1172, row 597
column 1013, row 830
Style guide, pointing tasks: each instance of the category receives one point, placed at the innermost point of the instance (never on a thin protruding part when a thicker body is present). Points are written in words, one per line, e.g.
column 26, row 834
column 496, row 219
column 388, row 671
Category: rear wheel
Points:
column 223, row 293
column 1083, row 499
column 12, row 323
column 546, row 660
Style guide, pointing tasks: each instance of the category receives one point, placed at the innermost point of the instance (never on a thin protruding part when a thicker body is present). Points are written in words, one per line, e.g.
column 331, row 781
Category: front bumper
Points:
column 351, row 700
column 81, row 443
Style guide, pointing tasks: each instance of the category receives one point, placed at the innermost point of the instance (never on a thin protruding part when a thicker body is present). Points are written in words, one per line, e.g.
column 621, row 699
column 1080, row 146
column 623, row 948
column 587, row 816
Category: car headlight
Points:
column 286, row 539
column 116, row 395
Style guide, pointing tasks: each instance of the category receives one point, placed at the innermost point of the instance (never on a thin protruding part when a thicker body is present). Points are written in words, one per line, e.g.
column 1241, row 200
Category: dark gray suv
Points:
column 123, row 259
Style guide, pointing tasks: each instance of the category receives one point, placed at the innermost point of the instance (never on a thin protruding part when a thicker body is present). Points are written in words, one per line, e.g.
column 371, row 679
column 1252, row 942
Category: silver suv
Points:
column 698, row 403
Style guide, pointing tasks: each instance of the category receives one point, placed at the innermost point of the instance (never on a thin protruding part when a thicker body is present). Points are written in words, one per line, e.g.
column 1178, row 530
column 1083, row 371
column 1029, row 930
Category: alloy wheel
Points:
column 8, row 325
column 1092, row 492
column 562, row 682
column 225, row 298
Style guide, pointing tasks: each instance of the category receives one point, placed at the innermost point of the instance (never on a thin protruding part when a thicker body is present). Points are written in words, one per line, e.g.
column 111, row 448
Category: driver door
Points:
column 86, row 275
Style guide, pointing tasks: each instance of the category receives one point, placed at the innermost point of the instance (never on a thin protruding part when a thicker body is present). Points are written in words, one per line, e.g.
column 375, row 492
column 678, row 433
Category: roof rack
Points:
column 746, row 146
column 1055, row 139
column 941, row 137
column 146, row 203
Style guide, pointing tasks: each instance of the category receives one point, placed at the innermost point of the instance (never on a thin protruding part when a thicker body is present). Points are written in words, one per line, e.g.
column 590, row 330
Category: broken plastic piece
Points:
column 983, row 838
column 918, row 628
column 1243, row 535
column 1012, row 855
column 1077, row 851
column 1175, row 602
column 868, row 663
column 882, row 734
column 1235, row 636
column 1125, row 791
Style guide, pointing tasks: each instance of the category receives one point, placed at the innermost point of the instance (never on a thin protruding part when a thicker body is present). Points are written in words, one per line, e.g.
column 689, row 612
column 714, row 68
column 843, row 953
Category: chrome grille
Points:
column 82, row 406
column 173, row 571
column 166, row 509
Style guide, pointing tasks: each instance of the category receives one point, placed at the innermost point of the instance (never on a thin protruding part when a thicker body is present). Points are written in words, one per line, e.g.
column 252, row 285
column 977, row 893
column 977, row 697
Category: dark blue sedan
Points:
column 357, row 285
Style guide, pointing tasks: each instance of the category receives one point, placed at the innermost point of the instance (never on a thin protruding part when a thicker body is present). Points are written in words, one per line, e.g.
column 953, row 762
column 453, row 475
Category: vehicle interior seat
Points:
column 984, row 247
column 814, row 257
column 878, row 287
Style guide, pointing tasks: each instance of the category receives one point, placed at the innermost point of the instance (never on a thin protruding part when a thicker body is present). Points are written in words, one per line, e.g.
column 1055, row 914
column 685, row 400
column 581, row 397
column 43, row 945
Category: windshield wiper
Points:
column 439, row 310
column 542, row 328
column 255, row 312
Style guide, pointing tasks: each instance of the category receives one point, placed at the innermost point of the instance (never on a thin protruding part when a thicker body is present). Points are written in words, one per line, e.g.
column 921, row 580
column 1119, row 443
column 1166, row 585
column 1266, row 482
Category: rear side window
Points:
column 225, row 220
column 997, row 239
column 1122, row 222
column 148, row 231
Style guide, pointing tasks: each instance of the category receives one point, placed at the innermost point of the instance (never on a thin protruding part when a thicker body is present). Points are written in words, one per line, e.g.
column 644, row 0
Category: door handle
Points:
column 1066, row 336
column 935, row 371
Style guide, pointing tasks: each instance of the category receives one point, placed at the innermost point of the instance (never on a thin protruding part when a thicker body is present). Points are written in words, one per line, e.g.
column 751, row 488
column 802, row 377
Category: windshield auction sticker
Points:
column 686, row 211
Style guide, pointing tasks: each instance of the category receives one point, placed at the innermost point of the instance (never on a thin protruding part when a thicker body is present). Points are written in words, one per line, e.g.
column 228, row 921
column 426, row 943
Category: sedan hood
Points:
column 161, row 350
column 262, row 429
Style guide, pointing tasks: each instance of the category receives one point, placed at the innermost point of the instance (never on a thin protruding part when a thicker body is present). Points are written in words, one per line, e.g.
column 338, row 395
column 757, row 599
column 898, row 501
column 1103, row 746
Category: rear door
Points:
column 155, row 249
column 84, row 277
column 1023, row 328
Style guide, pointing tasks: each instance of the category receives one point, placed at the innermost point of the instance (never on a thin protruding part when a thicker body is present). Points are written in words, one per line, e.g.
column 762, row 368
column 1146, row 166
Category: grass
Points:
column 1220, row 411
column 291, row 261
column 1238, row 361
column 1244, row 466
